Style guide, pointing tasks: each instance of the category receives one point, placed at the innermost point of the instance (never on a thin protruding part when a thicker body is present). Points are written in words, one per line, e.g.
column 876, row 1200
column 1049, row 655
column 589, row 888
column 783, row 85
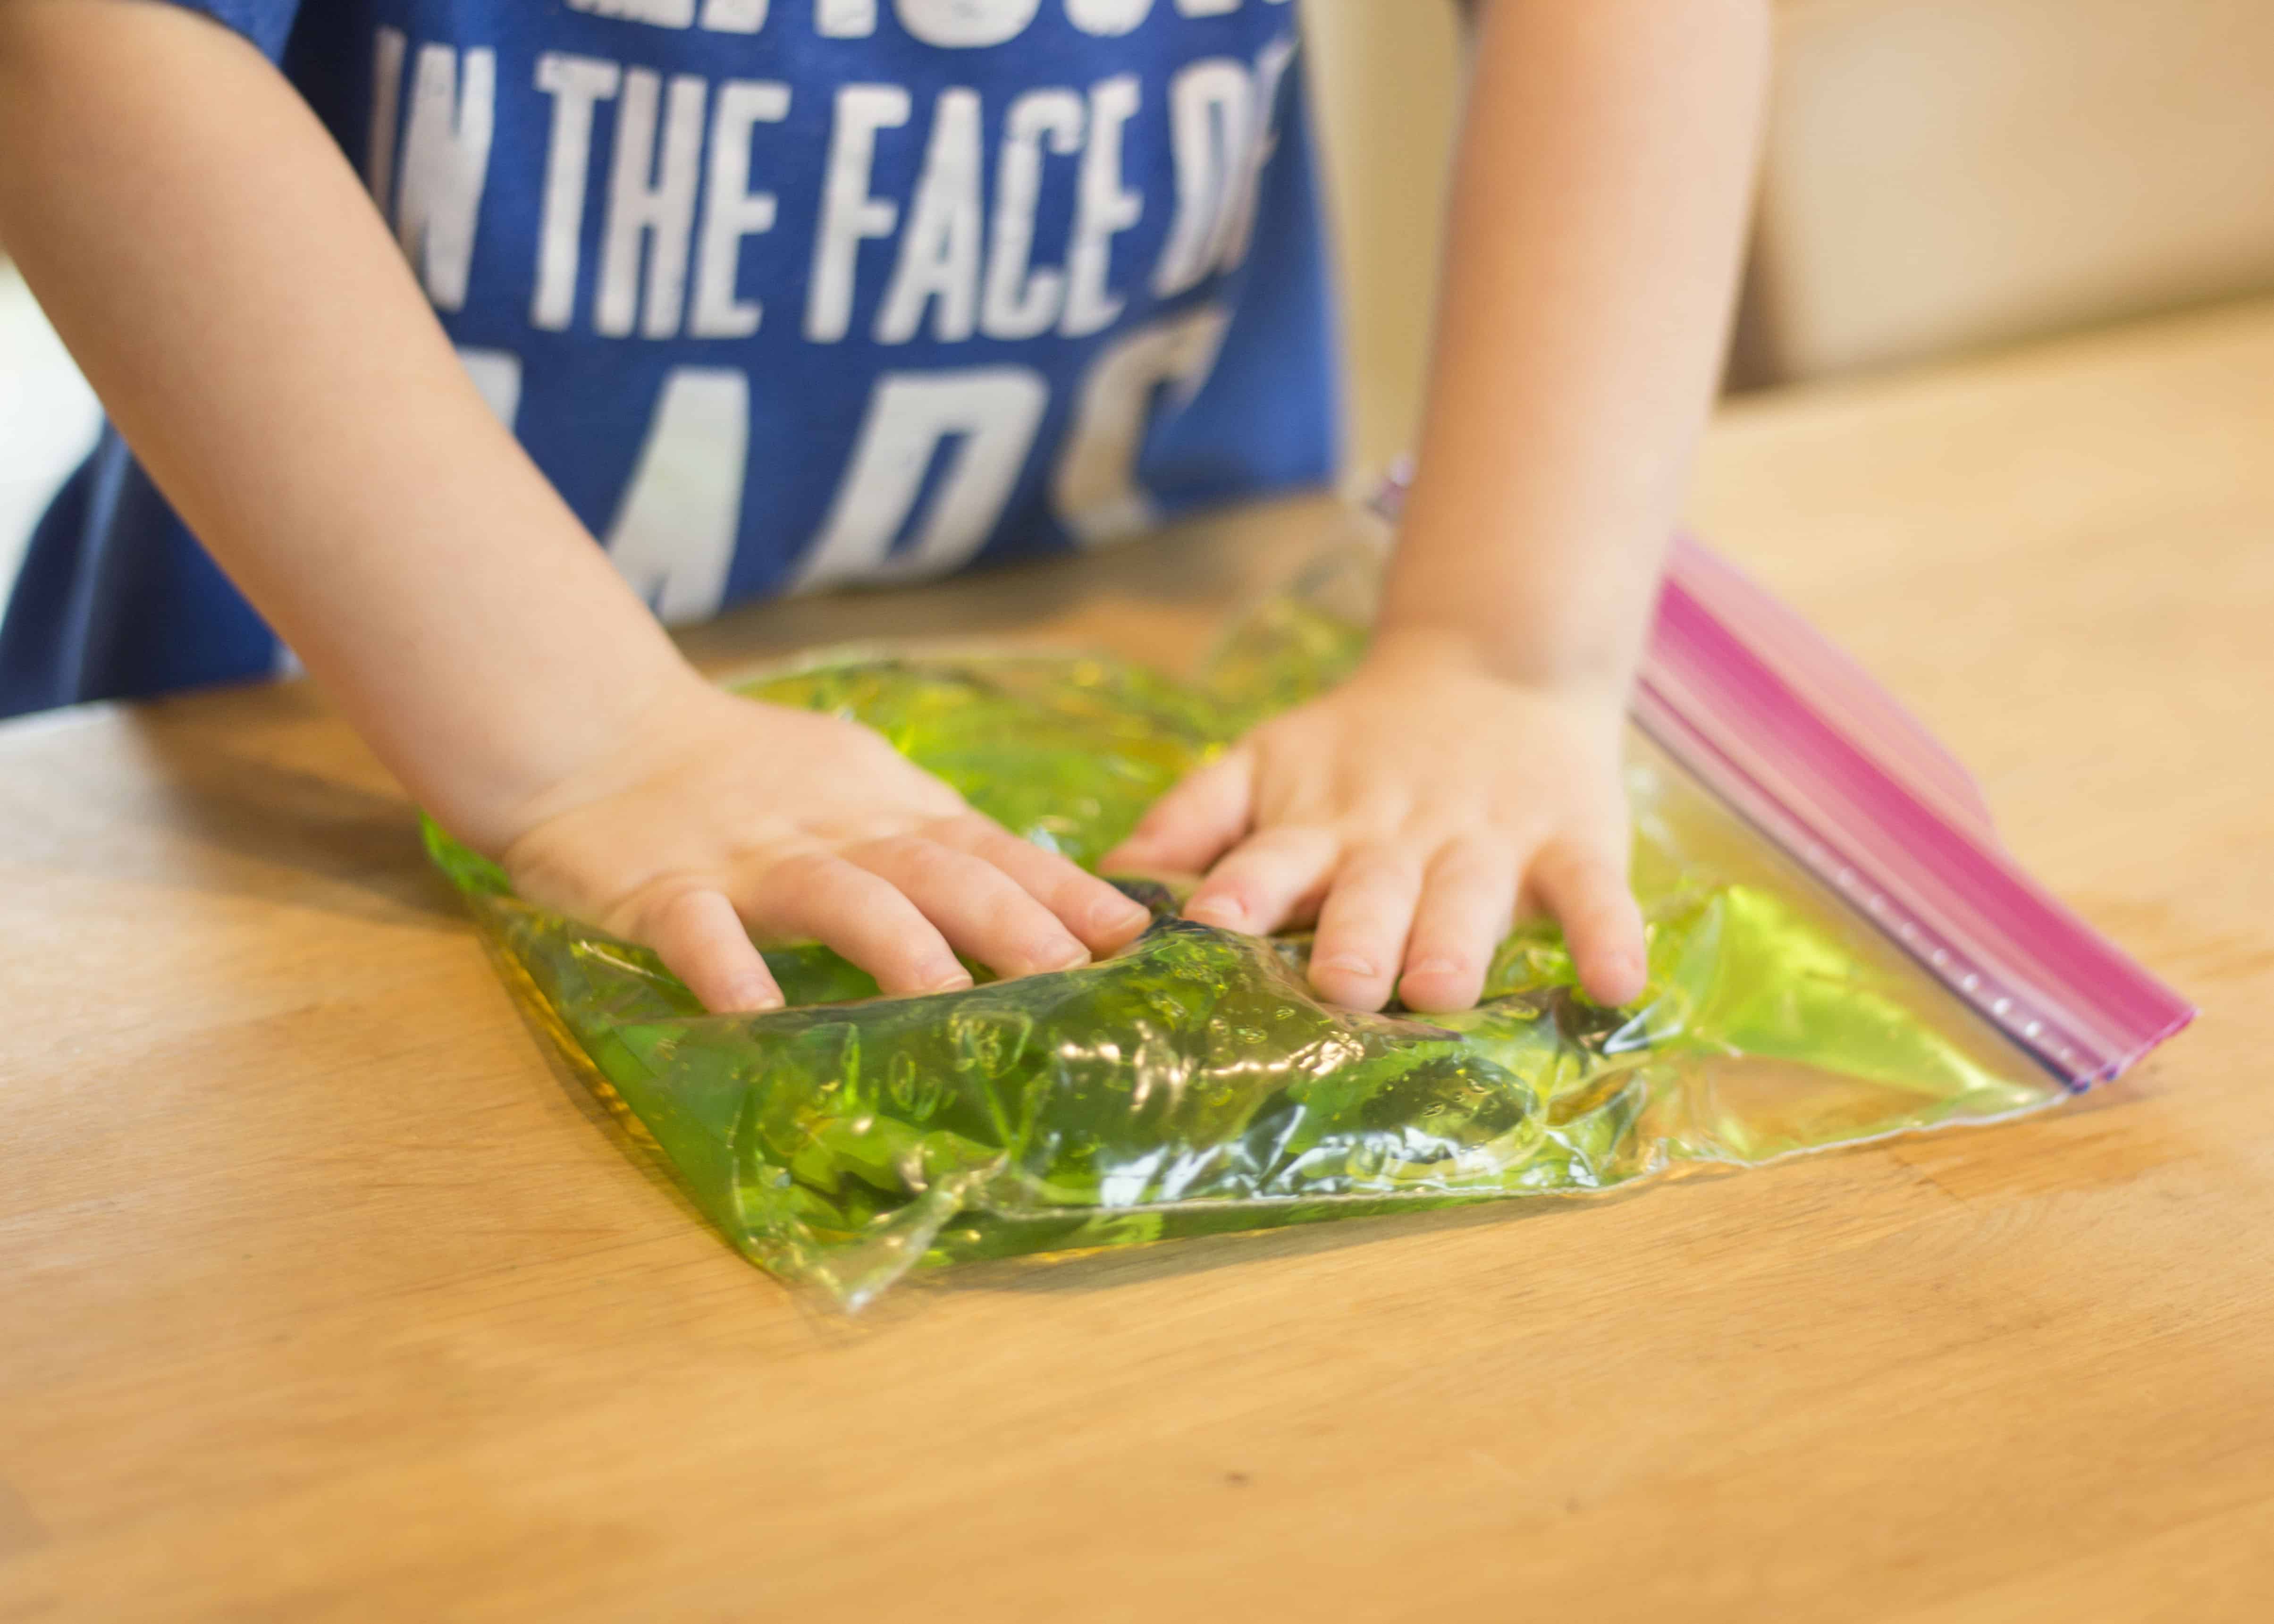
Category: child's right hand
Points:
column 716, row 818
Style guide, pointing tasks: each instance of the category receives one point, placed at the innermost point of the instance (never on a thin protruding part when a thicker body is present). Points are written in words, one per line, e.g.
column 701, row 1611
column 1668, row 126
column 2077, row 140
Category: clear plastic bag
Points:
column 1192, row 1084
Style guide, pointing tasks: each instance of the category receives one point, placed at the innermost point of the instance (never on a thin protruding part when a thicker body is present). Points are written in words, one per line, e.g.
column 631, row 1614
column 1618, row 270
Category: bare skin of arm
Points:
column 215, row 267
column 1598, row 205
column 211, row 259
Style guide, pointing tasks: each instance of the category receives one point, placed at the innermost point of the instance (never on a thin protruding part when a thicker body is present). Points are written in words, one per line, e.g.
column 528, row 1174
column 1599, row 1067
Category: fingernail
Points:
column 1060, row 955
column 1433, row 967
column 1118, row 912
column 956, row 982
column 1216, row 911
column 1348, row 964
column 1624, row 976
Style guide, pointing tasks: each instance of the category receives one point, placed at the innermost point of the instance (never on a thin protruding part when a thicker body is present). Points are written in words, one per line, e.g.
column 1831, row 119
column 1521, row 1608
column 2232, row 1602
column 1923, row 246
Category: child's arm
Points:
column 1598, row 209
column 209, row 257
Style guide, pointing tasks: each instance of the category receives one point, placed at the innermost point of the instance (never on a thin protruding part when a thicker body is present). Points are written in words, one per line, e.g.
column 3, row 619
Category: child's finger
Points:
column 1099, row 915
column 700, row 939
column 822, row 897
column 1265, row 880
column 1467, row 904
column 982, row 911
column 1587, row 892
column 1195, row 822
column 1363, row 924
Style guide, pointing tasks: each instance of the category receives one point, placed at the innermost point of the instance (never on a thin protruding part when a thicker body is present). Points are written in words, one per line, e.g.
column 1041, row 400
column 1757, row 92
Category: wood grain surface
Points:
column 324, row 1296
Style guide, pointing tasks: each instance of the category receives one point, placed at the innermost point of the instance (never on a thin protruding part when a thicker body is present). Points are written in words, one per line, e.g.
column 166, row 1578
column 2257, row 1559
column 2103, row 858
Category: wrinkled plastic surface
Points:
column 1192, row 1084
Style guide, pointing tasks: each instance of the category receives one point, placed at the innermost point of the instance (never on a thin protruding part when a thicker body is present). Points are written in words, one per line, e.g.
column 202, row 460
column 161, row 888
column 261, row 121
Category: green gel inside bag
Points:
column 1192, row 1084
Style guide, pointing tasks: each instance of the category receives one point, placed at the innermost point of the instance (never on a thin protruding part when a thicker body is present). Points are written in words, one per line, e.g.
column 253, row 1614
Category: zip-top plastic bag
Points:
column 1838, row 950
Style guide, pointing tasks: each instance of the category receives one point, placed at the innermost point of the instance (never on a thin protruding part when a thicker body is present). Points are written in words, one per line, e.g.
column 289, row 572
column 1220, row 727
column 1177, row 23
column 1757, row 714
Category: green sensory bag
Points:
column 1192, row 1084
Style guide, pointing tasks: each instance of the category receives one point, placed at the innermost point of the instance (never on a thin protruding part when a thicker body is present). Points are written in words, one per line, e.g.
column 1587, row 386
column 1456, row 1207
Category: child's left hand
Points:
column 1409, row 811
column 1471, row 764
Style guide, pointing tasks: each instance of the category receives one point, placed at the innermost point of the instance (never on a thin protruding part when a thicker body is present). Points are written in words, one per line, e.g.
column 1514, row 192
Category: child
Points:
column 777, row 294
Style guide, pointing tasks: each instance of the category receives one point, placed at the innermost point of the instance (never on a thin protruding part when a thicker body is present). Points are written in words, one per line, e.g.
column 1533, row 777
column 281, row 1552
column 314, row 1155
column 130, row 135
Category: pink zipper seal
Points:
column 1799, row 740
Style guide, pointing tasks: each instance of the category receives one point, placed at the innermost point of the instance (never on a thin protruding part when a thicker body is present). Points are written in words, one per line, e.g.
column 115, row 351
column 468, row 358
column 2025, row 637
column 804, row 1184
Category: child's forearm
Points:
column 1597, row 214
column 208, row 254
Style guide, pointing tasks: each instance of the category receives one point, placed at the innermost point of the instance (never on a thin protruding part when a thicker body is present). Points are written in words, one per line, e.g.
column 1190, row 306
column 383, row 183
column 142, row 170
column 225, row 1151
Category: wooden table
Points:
column 325, row 1296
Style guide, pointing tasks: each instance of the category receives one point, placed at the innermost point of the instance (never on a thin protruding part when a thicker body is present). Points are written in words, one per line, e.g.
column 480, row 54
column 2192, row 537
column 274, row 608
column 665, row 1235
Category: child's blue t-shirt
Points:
column 783, row 294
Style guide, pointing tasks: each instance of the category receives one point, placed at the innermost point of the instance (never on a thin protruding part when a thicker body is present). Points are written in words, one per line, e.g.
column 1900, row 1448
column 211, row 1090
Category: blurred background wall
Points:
column 1940, row 174
column 1946, row 174
column 48, row 417
column 1385, row 83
